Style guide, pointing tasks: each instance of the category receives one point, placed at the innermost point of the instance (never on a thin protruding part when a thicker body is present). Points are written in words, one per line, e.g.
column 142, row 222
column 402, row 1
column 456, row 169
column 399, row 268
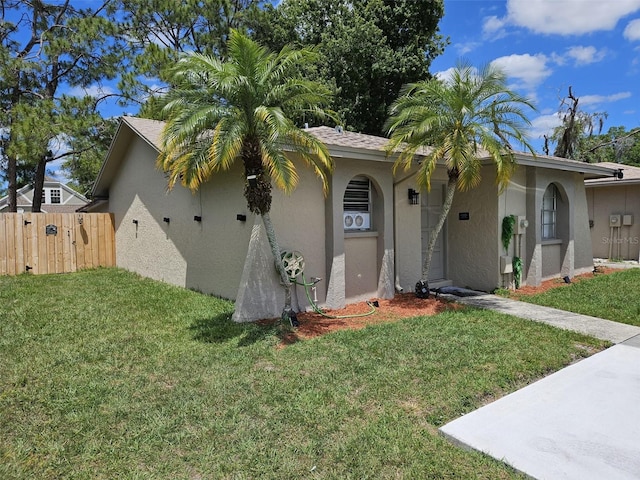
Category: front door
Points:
column 431, row 205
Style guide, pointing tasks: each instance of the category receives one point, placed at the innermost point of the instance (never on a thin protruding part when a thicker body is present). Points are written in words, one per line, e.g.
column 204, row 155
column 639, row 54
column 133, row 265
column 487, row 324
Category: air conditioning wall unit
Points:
column 357, row 220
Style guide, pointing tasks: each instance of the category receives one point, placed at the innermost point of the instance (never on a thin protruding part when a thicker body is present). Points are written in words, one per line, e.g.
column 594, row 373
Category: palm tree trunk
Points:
column 452, row 185
column 284, row 278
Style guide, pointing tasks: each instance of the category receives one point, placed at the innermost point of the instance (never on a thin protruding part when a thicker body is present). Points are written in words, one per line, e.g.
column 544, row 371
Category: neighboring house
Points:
column 614, row 213
column 56, row 198
column 365, row 239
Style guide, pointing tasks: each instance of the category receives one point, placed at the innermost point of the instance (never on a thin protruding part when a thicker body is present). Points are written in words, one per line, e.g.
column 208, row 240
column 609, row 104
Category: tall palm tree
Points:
column 458, row 121
column 240, row 109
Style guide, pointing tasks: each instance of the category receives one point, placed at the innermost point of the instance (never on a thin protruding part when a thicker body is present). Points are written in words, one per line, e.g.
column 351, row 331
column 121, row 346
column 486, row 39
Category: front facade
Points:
column 545, row 194
column 614, row 213
column 56, row 198
column 365, row 239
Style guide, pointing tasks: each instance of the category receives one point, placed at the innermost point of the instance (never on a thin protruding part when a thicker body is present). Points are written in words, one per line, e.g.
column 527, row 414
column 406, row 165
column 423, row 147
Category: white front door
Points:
column 431, row 205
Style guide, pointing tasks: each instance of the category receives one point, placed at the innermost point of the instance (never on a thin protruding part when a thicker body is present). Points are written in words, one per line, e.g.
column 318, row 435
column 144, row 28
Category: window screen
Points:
column 357, row 196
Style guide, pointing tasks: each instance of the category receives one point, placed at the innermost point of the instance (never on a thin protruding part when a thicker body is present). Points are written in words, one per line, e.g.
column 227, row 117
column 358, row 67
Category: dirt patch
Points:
column 401, row 306
column 558, row 283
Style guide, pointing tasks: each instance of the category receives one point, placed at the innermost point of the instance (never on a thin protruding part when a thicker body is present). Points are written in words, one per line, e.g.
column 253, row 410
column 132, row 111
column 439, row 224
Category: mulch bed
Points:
column 401, row 306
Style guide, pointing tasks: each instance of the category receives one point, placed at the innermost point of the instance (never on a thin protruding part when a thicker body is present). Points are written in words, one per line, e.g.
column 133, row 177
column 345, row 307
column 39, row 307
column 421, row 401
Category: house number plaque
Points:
column 463, row 216
column 51, row 230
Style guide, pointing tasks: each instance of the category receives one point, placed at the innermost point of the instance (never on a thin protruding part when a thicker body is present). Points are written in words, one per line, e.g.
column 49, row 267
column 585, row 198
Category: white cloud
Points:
column 445, row 75
column 632, row 32
column 566, row 17
column 493, row 27
column 544, row 125
column 529, row 70
column 599, row 99
column 464, row 48
column 586, row 55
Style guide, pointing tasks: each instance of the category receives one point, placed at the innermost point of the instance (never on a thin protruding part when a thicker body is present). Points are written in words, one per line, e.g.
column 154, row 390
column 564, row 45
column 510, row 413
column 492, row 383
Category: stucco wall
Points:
column 408, row 252
column 207, row 256
column 623, row 242
column 474, row 255
column 575, row 253
column 513, row 201
column 380, row 176
column 226, row 257
column 361, row 265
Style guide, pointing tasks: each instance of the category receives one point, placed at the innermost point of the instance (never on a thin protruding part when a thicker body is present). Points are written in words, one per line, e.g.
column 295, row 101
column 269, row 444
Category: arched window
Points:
column 356, row 204
column 550, row 213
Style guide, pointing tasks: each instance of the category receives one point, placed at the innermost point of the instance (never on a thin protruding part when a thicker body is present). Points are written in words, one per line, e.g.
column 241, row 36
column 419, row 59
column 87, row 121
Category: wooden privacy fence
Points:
column 55, row 242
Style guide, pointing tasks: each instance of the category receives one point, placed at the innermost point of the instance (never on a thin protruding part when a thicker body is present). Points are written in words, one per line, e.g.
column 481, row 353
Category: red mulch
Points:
column 401, row 306
column 557, row 283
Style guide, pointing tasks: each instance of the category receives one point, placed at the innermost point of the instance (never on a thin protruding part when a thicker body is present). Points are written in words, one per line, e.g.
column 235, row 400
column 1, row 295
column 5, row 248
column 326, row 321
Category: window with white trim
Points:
column 51, row 196
column 55, row 195
column 549, row 212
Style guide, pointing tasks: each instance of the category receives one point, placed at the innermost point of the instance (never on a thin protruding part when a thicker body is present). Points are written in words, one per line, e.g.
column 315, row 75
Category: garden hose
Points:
column 293, row 264
column 319, row 311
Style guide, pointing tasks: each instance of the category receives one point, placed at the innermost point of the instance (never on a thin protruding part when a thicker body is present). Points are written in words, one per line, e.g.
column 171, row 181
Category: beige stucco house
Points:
column 614, row 213
column 56, row 198
column 365, row 239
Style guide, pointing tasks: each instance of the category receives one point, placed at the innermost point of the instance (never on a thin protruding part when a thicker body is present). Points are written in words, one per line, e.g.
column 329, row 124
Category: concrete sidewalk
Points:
column 596, row 327
column 582, row 422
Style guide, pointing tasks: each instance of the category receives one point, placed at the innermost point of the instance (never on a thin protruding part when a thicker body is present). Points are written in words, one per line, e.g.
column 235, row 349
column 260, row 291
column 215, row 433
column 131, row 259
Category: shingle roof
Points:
column 342, row 143
column 343, row 138
column 630, row 174
column 150, row 130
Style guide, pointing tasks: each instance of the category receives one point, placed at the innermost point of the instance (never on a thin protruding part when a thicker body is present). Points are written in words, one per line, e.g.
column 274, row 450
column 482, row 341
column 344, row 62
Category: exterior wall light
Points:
column 414, row 197
column 197, row 218
column 241, row 217
column 166, row 219
column 253, row 180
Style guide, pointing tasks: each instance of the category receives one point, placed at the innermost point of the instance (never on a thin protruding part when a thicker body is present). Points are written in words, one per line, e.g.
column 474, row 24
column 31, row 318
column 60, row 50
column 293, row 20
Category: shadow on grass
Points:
column 221, row 329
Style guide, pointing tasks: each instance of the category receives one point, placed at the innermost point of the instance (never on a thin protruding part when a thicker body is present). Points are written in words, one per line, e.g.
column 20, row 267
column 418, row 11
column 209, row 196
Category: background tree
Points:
column 617, row 145
column 48, row 47
column 575, row 137
column 577, row 125
column 220, row 112
column 371, row 48
column 160, row 31
column 456, row 121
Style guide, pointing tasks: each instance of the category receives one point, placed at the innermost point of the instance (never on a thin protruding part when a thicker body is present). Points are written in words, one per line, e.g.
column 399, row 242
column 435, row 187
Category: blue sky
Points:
column 545, row 46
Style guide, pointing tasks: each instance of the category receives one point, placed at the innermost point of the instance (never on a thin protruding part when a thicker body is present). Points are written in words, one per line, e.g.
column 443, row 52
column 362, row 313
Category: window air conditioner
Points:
column 357, row 221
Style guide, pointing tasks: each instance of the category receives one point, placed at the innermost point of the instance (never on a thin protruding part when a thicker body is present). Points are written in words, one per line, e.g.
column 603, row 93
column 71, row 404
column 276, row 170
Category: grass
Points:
column 614, row 297
column 107, row 375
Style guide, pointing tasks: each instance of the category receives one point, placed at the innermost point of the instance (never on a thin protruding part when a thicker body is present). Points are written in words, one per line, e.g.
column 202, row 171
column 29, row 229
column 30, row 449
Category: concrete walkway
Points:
column 596, row 327
column 582, row 422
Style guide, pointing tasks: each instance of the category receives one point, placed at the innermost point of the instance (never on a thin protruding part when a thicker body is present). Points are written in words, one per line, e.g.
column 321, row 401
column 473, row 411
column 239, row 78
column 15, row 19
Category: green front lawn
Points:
column 106, row 375
column 615, row 297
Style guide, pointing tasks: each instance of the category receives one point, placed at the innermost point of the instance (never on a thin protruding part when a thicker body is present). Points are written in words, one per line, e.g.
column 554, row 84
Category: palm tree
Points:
column 220, row 112
column 458, row 121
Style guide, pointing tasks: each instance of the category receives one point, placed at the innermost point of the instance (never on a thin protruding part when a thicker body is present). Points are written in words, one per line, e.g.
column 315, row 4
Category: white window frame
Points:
column 57, row 191
column 48, row 196
column 549, row 214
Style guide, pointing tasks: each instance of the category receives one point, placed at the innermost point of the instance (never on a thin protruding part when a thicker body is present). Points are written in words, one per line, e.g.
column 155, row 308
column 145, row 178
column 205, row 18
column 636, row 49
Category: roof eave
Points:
column 589, row 170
